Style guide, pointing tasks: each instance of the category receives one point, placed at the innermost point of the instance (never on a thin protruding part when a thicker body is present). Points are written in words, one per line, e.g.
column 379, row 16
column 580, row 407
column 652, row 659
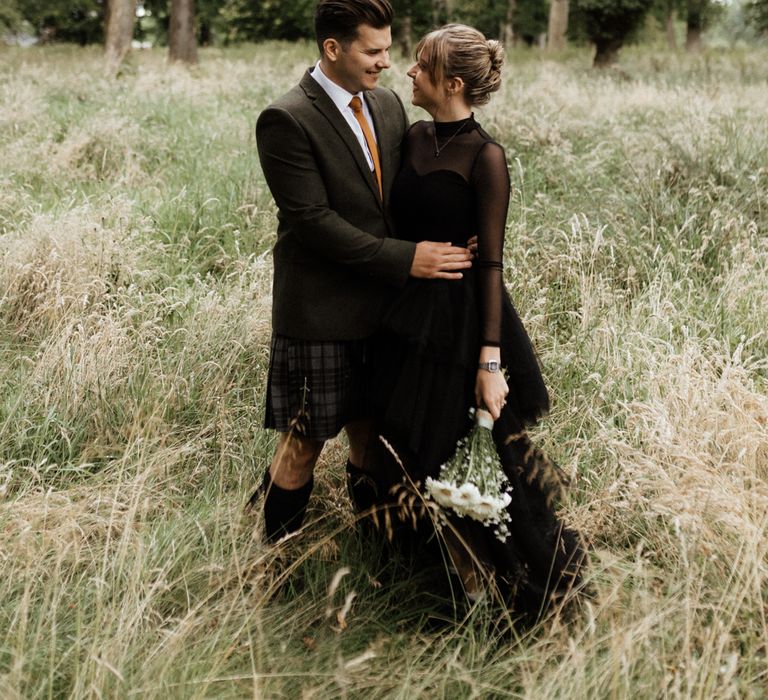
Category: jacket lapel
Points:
column 328, row 109
column 381, row 140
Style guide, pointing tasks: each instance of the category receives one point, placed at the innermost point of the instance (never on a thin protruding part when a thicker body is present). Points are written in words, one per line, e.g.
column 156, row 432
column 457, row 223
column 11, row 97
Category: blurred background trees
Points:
column 118, row 28
column 557, row 25
column 757, row 15
column 77, row 21
column 182, row 42
column 608, row 24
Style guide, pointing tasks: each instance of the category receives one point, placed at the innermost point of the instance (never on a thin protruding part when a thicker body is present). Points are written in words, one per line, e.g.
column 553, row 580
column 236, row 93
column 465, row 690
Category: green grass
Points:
column 135, row 281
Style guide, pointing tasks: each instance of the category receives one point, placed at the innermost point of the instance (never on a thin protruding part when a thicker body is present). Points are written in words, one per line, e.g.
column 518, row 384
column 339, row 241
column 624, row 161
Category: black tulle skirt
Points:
column 425, row 366
column 425, row 360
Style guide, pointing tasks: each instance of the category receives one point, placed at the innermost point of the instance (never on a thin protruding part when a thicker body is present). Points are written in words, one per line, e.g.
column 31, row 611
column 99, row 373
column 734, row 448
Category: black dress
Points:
column 454, row 184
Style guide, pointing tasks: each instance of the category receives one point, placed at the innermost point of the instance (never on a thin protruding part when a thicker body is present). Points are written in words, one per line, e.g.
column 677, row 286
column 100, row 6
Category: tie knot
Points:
column 356, row 104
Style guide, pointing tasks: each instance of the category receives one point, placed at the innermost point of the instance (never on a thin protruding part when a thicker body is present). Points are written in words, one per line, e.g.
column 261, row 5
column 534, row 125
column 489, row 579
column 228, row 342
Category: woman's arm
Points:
column 490, row 180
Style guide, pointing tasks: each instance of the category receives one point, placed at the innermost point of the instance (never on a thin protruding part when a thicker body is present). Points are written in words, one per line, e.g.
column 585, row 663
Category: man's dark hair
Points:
column 340, row 19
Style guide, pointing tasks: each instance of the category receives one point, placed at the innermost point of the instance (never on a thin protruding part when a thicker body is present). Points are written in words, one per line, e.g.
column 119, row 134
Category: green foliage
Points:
column 757, row 12
column 529, row 19
column 660, row 9
column 217, row 20
column 10, row 16
column 226, row 22
column 418, row 11
column 231, row 21
column 244, row 20
column 78, row 21
column 609, row 24
column 701, row 14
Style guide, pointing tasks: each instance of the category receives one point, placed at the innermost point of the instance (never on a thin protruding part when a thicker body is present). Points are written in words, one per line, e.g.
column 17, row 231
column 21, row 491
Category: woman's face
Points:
column 426, row 94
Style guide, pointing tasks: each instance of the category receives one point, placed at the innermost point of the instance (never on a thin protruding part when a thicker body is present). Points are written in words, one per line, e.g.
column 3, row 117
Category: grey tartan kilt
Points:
column 316, row 387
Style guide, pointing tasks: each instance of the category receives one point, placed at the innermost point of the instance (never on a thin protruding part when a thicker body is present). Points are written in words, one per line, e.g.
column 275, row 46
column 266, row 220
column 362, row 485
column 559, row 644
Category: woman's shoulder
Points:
column 416, row 131
column 482, row 143
column 488, row 148
column 490, row 157
column 419, row 127
column 486, row 138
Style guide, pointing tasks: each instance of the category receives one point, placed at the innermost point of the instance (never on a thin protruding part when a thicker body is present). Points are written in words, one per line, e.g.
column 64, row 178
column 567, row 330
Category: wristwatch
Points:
column 490, row 366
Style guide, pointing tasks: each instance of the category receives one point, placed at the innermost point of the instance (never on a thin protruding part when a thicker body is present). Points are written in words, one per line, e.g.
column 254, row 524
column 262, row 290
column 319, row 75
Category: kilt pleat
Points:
column 316, row 387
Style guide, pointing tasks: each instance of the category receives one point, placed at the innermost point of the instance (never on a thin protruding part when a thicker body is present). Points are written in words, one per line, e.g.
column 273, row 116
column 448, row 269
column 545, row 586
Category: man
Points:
column 329, row 150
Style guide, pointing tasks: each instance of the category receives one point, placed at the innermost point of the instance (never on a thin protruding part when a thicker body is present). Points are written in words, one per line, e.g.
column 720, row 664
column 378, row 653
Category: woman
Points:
column 443, row 341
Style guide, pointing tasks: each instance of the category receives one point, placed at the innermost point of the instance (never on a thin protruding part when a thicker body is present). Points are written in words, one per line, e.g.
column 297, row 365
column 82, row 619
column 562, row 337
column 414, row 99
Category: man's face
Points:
column 357, row 66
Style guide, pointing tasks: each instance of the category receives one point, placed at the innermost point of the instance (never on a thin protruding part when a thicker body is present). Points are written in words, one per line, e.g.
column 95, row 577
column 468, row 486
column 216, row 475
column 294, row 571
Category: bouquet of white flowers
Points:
column 472, row 482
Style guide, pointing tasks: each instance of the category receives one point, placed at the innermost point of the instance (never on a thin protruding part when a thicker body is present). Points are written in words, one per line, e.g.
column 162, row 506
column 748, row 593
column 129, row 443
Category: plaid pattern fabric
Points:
column 316, row 387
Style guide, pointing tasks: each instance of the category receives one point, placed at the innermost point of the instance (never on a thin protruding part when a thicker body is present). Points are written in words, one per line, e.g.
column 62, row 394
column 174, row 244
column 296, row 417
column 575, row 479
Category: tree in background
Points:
column 10, row 16
column 531, row 19
column 441, row 12
column 402, row 29
column 246, row 20
column 757, row 15
column 608, row 24
column 557, row 25
column 413, row 18
column 182, row 44
column 699, row 15
column 78, row 21
column 208, row 21
column 507, row 26
column 527, row 18
column 667, row 12
column 120, row 19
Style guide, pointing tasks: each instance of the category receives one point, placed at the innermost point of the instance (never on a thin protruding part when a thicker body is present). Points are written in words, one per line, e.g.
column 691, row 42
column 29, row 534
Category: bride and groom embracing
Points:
column 384, row 323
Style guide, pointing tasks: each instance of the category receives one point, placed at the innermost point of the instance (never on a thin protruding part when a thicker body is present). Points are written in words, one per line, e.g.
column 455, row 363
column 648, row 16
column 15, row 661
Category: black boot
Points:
column 283, row 508
column 361, row 487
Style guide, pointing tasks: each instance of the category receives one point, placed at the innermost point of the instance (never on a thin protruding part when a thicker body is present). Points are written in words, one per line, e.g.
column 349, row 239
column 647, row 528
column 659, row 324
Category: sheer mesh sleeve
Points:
column 490, row 180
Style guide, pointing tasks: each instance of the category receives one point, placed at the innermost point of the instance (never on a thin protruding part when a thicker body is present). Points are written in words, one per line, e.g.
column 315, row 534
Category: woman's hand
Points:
column 491, row 391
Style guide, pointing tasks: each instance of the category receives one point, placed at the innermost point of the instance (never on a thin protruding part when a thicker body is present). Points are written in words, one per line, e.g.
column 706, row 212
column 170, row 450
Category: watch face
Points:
column 493, row 366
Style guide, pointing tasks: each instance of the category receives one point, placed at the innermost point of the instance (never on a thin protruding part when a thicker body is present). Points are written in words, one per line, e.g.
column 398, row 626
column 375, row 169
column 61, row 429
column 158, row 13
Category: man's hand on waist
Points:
column 439, row 261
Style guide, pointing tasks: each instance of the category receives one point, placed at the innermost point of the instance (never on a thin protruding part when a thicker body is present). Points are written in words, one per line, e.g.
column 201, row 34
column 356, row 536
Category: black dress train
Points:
column 454, row 184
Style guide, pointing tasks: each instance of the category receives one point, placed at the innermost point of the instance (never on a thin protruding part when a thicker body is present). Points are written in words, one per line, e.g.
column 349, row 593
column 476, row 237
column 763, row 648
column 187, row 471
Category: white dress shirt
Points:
column 341, row 98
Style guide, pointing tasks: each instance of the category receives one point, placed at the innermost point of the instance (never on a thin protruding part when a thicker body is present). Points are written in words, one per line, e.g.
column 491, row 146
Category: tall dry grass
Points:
column 135, row 227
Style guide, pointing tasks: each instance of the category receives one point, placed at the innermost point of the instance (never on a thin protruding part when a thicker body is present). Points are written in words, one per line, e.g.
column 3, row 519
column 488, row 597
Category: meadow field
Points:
column 135, row 282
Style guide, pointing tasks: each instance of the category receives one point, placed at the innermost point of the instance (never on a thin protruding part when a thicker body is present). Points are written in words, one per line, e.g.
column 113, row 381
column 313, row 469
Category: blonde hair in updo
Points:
column 458, row 51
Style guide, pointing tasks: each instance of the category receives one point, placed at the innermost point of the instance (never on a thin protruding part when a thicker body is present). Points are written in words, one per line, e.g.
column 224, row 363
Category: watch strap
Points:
column 490, row 366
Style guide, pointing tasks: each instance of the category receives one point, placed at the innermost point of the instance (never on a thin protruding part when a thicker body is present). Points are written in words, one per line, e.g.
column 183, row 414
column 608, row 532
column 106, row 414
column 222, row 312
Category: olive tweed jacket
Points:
column 334, row 262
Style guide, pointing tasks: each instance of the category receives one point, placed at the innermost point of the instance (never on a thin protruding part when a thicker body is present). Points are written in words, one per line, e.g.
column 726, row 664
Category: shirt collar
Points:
column 340, row 97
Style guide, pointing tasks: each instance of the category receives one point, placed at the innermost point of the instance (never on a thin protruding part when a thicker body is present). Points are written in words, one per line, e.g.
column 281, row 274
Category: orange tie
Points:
column 357, row 107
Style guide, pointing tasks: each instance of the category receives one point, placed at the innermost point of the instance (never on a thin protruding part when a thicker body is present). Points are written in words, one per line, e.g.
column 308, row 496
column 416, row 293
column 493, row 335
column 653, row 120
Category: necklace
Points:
column 440, row 149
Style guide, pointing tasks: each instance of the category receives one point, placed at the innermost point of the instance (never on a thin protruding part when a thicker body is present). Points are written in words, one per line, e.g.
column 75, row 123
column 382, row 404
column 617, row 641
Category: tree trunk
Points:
column 439, row 12
column 607, row 53
column 205, row 34
column 508, row 35
column 182, row 45
column 121, row 15
column 507, row 29
column 558, row 25
column 670, row 27
column 694, row 24
column 693, row 38
column 405, row 35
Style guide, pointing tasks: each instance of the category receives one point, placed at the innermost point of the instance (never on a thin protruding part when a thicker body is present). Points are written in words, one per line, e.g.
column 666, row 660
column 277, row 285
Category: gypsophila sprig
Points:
column 472, row 482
